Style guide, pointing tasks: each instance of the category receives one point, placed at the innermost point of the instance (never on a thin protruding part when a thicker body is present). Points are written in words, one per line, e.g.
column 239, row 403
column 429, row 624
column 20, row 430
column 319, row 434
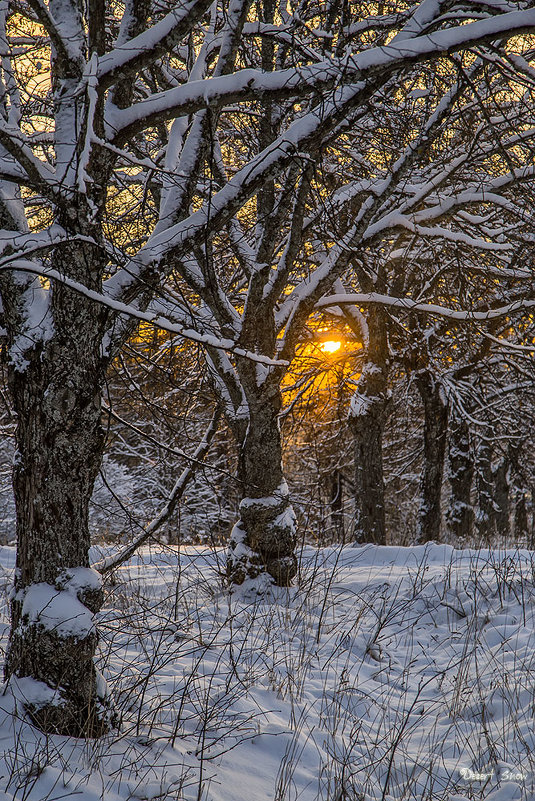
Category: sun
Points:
column 330, row 346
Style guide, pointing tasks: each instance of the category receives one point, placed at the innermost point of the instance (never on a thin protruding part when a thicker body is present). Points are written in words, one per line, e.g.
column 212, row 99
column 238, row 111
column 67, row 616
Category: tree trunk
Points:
column 263, row 540
column 337, row 506
column 520, row 523
column 501, row 502
column 531, row 521
column 485, row 517
column 460, row 516
column 56, row 389
column 435, row 435
column 520, row 517
column 367, row 423
column 367, row 417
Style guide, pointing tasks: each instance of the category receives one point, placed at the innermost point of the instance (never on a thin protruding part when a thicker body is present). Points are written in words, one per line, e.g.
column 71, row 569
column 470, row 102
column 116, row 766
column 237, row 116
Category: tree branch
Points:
column 113, row 562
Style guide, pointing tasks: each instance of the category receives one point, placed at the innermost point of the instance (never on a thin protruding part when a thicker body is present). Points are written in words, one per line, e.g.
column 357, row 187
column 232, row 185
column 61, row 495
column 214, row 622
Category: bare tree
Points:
column 93, row 150
column 460, row 513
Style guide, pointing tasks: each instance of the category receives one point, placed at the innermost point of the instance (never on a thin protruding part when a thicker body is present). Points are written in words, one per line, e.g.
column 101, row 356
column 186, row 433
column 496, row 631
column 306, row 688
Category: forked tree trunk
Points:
column 56, row 393
column 460, row 515
column 263, row 540
column 435, row 434
column 367, row 417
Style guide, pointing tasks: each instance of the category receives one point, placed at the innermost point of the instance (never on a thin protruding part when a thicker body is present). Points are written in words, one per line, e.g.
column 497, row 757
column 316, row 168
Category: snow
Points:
column 279, row 494
column 141, row 46
column 359, row 405
column 385, row 673
column 409, row 304
column 286, row 520
column 92, row 95
column 248, row 83
column 37, row 327
column 32, row 692
column 57, row 610
column 77, row 579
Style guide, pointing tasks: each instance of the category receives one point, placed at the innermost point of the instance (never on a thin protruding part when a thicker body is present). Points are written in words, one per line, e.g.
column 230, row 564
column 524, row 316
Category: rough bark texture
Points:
column 435, row 434
column 369, row 482
column 56, row 376
column 368, row 414
column 485, row 517
column 531, row 522
column 337, row 506
column 501, row 501
column 517, row 487
column 56, row 389
column 263, row 540
column 520, row 522
column 460, row 515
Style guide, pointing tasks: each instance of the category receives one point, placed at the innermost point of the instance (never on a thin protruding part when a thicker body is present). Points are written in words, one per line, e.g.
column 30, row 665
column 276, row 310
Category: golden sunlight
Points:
column 330, row 346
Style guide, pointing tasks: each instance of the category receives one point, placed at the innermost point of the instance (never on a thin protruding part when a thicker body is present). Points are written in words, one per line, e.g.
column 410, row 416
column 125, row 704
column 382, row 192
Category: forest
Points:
column 267, row 300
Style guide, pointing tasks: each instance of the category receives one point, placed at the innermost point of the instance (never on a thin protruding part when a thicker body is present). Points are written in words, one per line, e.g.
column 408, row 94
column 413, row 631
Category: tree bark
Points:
column 336, row 505
column 263, row 540
column 520, row 516
column 56, row 388
column 367, row 417
column 367, row 427
column 56, row 376
column 460, row 515
column 501, row 503
column 520, row 522
column 485, row 516
column 435, row 434
column 531, row 520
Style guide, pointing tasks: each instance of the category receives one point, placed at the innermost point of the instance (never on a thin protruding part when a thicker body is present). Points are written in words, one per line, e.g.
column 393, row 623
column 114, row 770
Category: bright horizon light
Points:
column 330, row 346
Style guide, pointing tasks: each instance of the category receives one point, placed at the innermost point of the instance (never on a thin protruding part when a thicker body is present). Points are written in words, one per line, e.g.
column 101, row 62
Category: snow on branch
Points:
column 408, row 304
column 131, row 56
column 14, row 142
column 400, row 220
column 112, row 562
column 253, row 84
column 509, row 345
column 149, row 317
column 61, row 40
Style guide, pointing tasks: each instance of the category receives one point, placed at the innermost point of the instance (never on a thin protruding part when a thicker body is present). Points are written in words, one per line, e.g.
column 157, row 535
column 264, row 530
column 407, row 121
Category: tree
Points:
column 460, row 514
column 367, row 415
column 114, row 201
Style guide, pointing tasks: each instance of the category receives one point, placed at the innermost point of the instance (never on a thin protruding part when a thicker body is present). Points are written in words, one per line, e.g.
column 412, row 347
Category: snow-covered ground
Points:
column 386, row 673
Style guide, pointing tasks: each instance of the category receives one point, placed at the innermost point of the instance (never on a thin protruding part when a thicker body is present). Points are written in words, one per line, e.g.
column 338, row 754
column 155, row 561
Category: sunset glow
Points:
column 331, row 346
